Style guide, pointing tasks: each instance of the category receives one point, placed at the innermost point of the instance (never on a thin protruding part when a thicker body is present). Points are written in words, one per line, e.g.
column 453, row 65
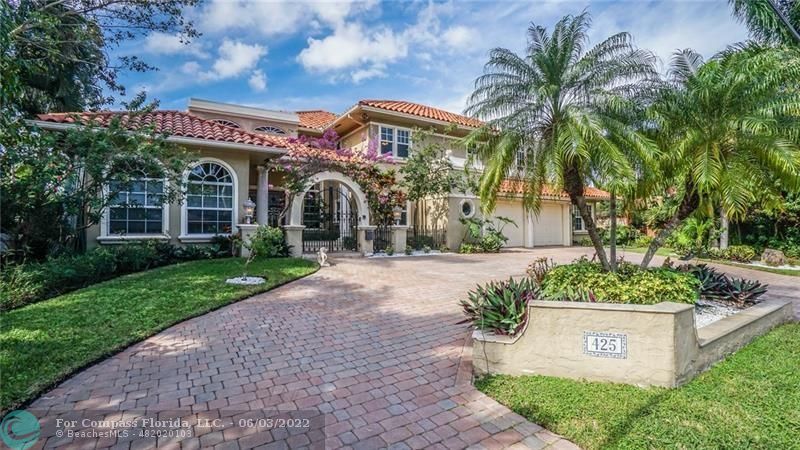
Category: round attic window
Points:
column 467, row 208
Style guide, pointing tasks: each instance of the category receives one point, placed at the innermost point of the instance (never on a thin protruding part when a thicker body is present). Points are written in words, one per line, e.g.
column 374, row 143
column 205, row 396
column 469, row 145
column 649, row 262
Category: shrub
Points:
column 21, row 284
column 625, row 235
column 444, row 248
column 585, row 242
column 467, row 248
column 409, row 250
column 268, row 242
column 643, row 241
column 389, row 250
column 426, row 249
column 586, row 281
column 539, row 268
column 492, row 241
column 500, row 307
column 740, row 253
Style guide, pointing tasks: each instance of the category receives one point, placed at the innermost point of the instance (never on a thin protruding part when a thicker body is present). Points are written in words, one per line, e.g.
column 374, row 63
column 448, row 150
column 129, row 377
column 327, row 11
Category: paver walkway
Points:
column 368, row 350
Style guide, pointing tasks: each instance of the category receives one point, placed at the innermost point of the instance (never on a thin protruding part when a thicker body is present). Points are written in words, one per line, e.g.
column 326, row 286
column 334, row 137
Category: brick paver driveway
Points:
column 369, row 350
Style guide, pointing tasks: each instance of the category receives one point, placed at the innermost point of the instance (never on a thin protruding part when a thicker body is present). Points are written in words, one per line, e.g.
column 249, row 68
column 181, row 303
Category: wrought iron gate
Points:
column 330, row 217
column 383, row 238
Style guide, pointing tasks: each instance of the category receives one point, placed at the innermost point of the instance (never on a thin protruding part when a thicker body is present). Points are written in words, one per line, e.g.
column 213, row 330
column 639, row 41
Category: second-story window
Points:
column 387, row 140
column 403, row 143
column 395, row 141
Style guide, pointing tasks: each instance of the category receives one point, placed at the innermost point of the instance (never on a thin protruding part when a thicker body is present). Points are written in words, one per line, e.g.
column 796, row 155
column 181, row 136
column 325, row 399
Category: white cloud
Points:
column 351, row 46
column 276, row 17
column 376, row 71
column 257, row 81
column 459, row 36
column 158, row 43
column 190, row 68
column 234, row 58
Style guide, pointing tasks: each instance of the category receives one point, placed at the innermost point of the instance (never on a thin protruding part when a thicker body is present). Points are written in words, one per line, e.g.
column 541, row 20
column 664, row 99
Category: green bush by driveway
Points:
column 43, row 343
column 749, row 401
column 583, row 280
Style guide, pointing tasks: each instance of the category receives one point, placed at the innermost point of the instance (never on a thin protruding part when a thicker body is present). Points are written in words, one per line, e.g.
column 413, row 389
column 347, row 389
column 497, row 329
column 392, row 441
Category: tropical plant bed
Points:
column 42, row 343
column 747, row 401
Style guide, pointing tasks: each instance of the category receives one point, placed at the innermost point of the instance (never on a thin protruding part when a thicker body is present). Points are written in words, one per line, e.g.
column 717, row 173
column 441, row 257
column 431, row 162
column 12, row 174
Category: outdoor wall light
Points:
column 397, row 212
column 249, row 208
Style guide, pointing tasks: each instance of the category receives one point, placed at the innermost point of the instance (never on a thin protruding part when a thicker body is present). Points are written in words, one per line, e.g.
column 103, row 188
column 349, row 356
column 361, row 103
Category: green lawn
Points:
column 43, row 343
column 749, row 401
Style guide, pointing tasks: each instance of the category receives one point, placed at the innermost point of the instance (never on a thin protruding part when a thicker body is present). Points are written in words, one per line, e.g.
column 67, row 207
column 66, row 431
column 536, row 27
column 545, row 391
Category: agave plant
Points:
column 740, row 291
column 716, row 286
column 500, row 307
column 711, row 281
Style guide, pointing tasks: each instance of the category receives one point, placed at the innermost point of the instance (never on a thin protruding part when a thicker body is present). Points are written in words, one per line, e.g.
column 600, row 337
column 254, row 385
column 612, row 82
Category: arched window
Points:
column 227, row 123
column 270, row 130
column 209, row 199
column 137, row 206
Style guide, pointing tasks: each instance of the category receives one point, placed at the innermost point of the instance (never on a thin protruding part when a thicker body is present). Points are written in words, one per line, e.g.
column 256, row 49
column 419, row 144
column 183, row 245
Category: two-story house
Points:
column 232, row 143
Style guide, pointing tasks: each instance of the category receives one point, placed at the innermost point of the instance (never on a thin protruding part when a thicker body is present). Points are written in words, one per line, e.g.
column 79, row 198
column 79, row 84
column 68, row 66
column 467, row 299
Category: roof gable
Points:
column 423, row 111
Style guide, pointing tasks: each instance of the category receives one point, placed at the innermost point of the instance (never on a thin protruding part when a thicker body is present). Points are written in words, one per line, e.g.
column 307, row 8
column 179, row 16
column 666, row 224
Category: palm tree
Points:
column 770, row 21
column 565, row 107
column 730, row 128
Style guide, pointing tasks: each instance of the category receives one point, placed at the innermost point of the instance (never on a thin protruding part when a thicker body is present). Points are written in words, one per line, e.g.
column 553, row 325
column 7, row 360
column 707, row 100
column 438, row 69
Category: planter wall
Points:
column 634, row 344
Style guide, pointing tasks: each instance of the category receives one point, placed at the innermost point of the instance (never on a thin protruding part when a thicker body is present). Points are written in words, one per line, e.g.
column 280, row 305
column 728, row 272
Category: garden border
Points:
column 664, row 348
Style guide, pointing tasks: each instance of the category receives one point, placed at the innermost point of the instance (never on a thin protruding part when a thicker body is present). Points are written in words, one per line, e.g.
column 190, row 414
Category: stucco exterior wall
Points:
column 238, row 161
column 663, row 348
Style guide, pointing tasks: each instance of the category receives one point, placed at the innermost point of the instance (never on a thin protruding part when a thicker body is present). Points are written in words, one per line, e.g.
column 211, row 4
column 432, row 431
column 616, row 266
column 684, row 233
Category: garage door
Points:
column 515, row 234
column 548, row 227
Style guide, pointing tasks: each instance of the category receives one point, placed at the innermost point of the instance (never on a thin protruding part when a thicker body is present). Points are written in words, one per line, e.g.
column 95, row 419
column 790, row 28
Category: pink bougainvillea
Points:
column 312, row 155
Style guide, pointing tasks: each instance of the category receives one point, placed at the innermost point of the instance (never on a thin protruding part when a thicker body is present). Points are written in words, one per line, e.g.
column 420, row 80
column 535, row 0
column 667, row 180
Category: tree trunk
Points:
column 723, row 236
column 688, row 205
column 575, row 187
column 612, row 254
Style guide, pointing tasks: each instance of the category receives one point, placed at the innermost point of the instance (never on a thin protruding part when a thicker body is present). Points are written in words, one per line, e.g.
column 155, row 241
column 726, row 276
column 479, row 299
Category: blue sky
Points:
column 329, row 54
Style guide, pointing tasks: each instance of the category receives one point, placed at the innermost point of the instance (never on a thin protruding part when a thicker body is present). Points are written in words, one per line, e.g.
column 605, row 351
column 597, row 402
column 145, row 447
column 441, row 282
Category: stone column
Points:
column 262, row 196
column 567, row 224
column 294, row 238
column 247, row 231
column 365, row 245
column 399, row 237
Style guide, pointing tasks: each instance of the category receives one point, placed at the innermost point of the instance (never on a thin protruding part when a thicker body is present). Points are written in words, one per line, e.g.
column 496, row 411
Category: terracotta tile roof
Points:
column 175, row 123
column 317, row 119
column 422, row 111
column 517, row 187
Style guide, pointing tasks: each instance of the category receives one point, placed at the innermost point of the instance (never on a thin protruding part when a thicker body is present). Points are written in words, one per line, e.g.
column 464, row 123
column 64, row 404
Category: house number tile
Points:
column 605, row 345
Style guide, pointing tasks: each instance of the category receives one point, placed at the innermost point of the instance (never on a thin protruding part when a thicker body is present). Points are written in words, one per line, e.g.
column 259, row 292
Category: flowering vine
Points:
column 309, row 156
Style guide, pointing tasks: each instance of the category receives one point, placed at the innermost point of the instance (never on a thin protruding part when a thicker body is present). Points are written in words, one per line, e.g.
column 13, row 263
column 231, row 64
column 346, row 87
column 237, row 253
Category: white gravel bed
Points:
column 760, row 264
column 707, row 312
column 245, row 281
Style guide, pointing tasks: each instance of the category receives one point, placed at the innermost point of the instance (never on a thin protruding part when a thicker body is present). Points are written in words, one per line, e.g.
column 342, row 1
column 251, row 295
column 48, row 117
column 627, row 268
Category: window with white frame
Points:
column 521, row 158
column 403, row 143
column 395, row 141
column 209, row 199
column 137, row 206
column 577, row 221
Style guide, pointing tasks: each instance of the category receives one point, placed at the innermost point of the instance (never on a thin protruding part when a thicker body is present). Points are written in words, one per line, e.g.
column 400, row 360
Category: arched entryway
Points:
column 330, row 211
